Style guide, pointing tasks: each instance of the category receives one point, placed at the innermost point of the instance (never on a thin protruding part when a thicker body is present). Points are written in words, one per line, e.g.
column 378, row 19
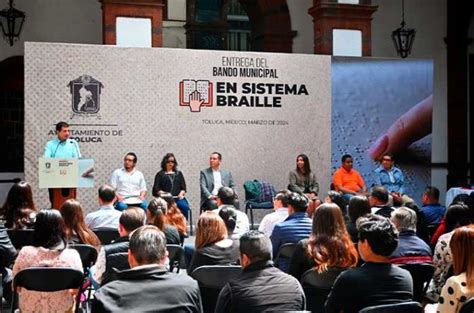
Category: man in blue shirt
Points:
column 297, row 226
column 392, row 179
column 433, row 211
column 62, row 146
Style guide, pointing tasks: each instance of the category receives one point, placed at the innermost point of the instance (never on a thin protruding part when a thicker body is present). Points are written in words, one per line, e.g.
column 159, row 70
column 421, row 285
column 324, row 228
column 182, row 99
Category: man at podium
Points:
column 62, row 147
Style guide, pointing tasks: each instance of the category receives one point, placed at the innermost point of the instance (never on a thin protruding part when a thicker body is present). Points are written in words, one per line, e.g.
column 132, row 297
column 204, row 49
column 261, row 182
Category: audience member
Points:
column 422, row 229
column 459, row 288
column 106, row 216
column 329, row 245
column 156, row 215
column 347, row 180
column 280, row 205
column 226, row 199
column 76, row 230
column 171, row 180
column 129, row 184
column 433, row 211
column 7, row 256
column 378, row 200
column 303, row 181
column 114, row 255
column 212, row 245
column 260, row 287
column 174, row 217
column 376, row 281
column 411, row 249
column 337, row 198
column 358, row 206
column 19, row 210
column 148, row 286
column 391, row 177
column 457, row 215
column 297, row 226
column 48, row 250
column 229, row 216
column 212, row 179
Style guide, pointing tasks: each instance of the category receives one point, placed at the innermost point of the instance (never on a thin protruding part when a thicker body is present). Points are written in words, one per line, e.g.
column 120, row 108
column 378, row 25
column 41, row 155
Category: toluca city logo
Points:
column 195, row 94
column 47, row 165
column 85, row 91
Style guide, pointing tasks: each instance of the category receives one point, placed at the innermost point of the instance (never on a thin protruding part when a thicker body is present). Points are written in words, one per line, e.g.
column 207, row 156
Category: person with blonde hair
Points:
column 212, row 245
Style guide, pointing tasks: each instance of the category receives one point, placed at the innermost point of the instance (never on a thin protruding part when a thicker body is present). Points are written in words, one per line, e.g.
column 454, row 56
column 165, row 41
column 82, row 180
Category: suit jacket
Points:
column 207, row 182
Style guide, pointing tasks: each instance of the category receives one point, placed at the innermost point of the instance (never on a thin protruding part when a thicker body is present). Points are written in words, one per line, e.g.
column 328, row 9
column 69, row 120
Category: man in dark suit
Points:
column 213, row 178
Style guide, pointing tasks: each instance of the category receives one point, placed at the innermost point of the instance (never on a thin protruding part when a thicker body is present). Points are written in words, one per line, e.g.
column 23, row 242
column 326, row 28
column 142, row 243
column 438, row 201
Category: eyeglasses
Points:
column 387, row 159
column 170, row 161
column 129, row 160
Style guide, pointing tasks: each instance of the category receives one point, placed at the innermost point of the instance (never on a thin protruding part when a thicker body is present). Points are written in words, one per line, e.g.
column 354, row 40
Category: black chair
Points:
column 21, row 237
column 88, row 256
column 286, row 251
column 317, row 286
column 263, row 202
column 252, row 205
column 405, row 307
column 175, row 253
column 48, row 279
column 421, row 275
column 468, row 307
column 211, row 279
column 107, row 235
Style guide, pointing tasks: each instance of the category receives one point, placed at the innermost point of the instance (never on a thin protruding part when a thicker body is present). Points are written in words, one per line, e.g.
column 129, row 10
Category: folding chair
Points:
column 88, row 256
column 175, row 253
column 211, row 279
column 48, row 279
column 107, row 235
column 286, row 251
column 21, row 237
column 421, row 275
column 405, row 307
column 317, row 286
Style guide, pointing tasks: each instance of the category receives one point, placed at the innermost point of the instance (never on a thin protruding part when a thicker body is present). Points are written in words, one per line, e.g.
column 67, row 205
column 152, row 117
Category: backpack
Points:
column 252, row 190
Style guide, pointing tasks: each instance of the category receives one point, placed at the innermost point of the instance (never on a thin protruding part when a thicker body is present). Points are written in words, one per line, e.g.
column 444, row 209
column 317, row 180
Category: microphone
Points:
column 54, row 154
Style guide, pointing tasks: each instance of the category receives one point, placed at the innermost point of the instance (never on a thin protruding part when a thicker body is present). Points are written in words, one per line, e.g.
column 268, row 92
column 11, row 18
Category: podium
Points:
column 62, row 177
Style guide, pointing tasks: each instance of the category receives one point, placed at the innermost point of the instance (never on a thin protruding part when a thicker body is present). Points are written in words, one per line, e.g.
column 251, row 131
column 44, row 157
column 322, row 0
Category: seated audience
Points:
column 212, row 245
column 106, row 216
column 378, row 200
column 48, row 250
column 347, row 180
column 260, row 287
column 19, row 210
column 114, row 255
column 303, row 181
column 174, row 217
column 460, row 287
column 391, row 177
column 7, row 256
column 76, row 230
column 296, row 227
column 329, row 245
column 229, row 216
column 226, row 198
column 337, row 198
column 422, row 229
column 377, row 281
column 457, row 215
column 433, row 211
column 280, row 205
column 156, row 215
column 358, row 206
column 411, row 249
column 148, row 286
column 171, row 180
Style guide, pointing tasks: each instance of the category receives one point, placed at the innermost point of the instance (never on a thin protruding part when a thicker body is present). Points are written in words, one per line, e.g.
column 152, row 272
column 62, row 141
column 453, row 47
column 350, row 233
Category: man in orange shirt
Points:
column 347, row 180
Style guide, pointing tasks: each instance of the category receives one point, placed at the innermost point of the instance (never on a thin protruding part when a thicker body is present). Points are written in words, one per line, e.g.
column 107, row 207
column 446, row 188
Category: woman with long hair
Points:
column 156, row 215
column 173, row 215
column 75, row 228
column 170, row 179
column 457, row 215
column 358, row 206
column 460, row 287
column 211, row 244
column 329, row 245
column 48, row 250
column 303, row 181
column 19, row 210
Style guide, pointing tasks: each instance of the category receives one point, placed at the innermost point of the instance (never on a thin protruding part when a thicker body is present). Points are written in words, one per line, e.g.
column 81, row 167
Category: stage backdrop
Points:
column 260, row 110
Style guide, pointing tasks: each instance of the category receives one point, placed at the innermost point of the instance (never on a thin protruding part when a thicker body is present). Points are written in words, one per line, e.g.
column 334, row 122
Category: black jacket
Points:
column 148, row 289
column 116, row 258
column 261, row 288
